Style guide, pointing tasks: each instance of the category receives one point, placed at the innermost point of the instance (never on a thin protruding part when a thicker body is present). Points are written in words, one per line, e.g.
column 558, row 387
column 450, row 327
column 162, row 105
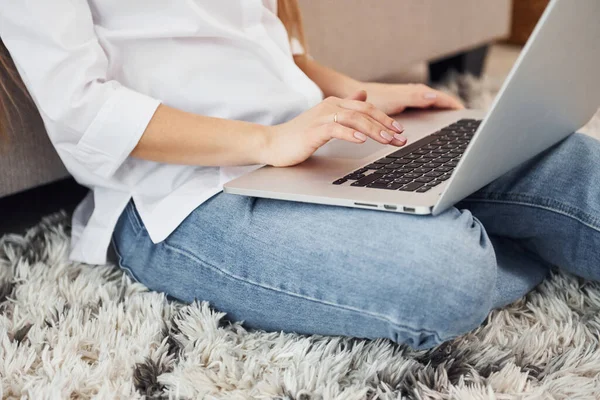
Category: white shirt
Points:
column 98, row 69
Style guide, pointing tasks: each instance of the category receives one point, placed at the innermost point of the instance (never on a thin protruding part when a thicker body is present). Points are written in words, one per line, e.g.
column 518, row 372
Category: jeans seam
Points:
column 558, row 207
column 380, row 317
column 120, row 261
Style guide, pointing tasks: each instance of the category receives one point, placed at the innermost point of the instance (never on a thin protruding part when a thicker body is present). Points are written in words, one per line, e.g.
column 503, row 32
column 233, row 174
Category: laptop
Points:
column 552, row 91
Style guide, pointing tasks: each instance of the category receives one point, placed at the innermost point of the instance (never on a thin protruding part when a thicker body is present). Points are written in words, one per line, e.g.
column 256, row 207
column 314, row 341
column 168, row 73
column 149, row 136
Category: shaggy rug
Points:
column 69, row 330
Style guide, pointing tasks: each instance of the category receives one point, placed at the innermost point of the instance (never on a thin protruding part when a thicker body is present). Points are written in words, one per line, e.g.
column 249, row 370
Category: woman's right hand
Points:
column 296, row 140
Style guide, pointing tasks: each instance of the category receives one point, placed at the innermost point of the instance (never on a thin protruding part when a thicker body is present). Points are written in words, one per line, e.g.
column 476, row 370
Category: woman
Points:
column 155, row 104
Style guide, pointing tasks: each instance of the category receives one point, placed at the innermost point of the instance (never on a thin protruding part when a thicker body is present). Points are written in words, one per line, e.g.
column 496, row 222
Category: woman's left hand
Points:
column 395, row 98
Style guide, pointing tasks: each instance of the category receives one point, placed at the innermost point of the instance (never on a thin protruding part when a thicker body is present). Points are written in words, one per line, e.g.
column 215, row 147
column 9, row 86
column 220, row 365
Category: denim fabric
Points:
column 317, row 269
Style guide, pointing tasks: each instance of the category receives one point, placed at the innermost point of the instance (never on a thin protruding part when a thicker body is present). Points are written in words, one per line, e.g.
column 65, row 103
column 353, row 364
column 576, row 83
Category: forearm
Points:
column 331, row 82
column 178, row 137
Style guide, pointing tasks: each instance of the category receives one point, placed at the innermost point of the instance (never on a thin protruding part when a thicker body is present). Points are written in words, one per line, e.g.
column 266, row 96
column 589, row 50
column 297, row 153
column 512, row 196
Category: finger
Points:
column 445, row 100
column 365, row 124
column 361, row 95
column 425, row 97
column 398, row 143
column 338, row 131
column 373, row 112
column 397, row 139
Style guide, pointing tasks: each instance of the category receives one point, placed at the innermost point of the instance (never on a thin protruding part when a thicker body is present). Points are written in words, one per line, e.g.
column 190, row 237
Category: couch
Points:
column 369, row 40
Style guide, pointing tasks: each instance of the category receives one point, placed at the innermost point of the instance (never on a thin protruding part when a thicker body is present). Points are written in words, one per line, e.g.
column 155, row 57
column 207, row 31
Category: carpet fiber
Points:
column 69, row 330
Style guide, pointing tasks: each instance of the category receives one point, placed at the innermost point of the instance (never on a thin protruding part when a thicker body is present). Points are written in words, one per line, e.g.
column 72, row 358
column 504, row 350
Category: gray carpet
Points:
column 69, row 330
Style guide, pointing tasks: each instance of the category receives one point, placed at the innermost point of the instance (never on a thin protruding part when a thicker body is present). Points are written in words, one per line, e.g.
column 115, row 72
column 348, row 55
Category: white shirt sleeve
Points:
column 55, row 48
column 296, row 47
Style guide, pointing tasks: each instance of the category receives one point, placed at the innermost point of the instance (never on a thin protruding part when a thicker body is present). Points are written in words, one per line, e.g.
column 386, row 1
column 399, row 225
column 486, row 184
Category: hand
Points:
column 394, row 98
column 293, row 142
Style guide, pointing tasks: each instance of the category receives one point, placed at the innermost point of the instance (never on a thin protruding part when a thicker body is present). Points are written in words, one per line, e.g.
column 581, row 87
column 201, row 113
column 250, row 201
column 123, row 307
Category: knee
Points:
column 579, row 144
column 465, row 295
column 471, row 282
column 456, row 288
column 556, row 164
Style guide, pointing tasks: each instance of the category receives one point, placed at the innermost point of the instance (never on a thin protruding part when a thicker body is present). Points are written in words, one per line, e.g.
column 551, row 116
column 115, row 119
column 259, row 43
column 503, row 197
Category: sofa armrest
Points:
column 27, row 158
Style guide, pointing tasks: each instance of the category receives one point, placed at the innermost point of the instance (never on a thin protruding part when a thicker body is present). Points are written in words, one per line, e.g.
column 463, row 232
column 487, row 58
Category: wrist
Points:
column 264, row 139
column 349, row 86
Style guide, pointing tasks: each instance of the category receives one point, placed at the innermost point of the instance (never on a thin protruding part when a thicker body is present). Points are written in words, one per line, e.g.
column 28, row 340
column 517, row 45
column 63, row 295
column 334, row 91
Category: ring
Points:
column 335, row 118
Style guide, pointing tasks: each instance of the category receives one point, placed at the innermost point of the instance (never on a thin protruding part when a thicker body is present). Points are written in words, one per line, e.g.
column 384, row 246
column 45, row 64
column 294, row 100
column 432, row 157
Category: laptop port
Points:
column 365, row 205
column 408, row 209
column 390, row 207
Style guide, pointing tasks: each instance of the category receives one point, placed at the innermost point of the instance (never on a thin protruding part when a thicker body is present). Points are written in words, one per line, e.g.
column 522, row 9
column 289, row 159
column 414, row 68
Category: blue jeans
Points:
column 418, row 280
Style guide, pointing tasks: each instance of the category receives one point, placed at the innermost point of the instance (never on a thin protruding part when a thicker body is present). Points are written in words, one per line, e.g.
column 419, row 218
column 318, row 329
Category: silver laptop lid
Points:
column 553, row 90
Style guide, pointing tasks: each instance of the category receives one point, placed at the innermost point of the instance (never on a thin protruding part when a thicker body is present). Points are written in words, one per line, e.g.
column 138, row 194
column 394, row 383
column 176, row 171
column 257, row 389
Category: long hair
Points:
column 288, row 12
column 10, row 82
column 13, row 94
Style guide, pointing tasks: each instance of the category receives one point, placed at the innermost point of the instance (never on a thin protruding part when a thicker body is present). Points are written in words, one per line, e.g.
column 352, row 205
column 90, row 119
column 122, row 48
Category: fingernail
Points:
column 399, row 137
column 399, row 127
column 360, row 136
column 430, row 95
column 386, row 135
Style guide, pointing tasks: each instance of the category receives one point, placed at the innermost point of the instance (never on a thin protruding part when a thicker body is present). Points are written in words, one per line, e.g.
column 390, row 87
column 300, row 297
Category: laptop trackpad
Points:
column 343, row 149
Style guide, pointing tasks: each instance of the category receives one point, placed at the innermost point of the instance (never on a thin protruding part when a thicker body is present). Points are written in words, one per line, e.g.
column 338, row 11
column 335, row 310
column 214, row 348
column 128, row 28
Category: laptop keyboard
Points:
column 419, row 166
